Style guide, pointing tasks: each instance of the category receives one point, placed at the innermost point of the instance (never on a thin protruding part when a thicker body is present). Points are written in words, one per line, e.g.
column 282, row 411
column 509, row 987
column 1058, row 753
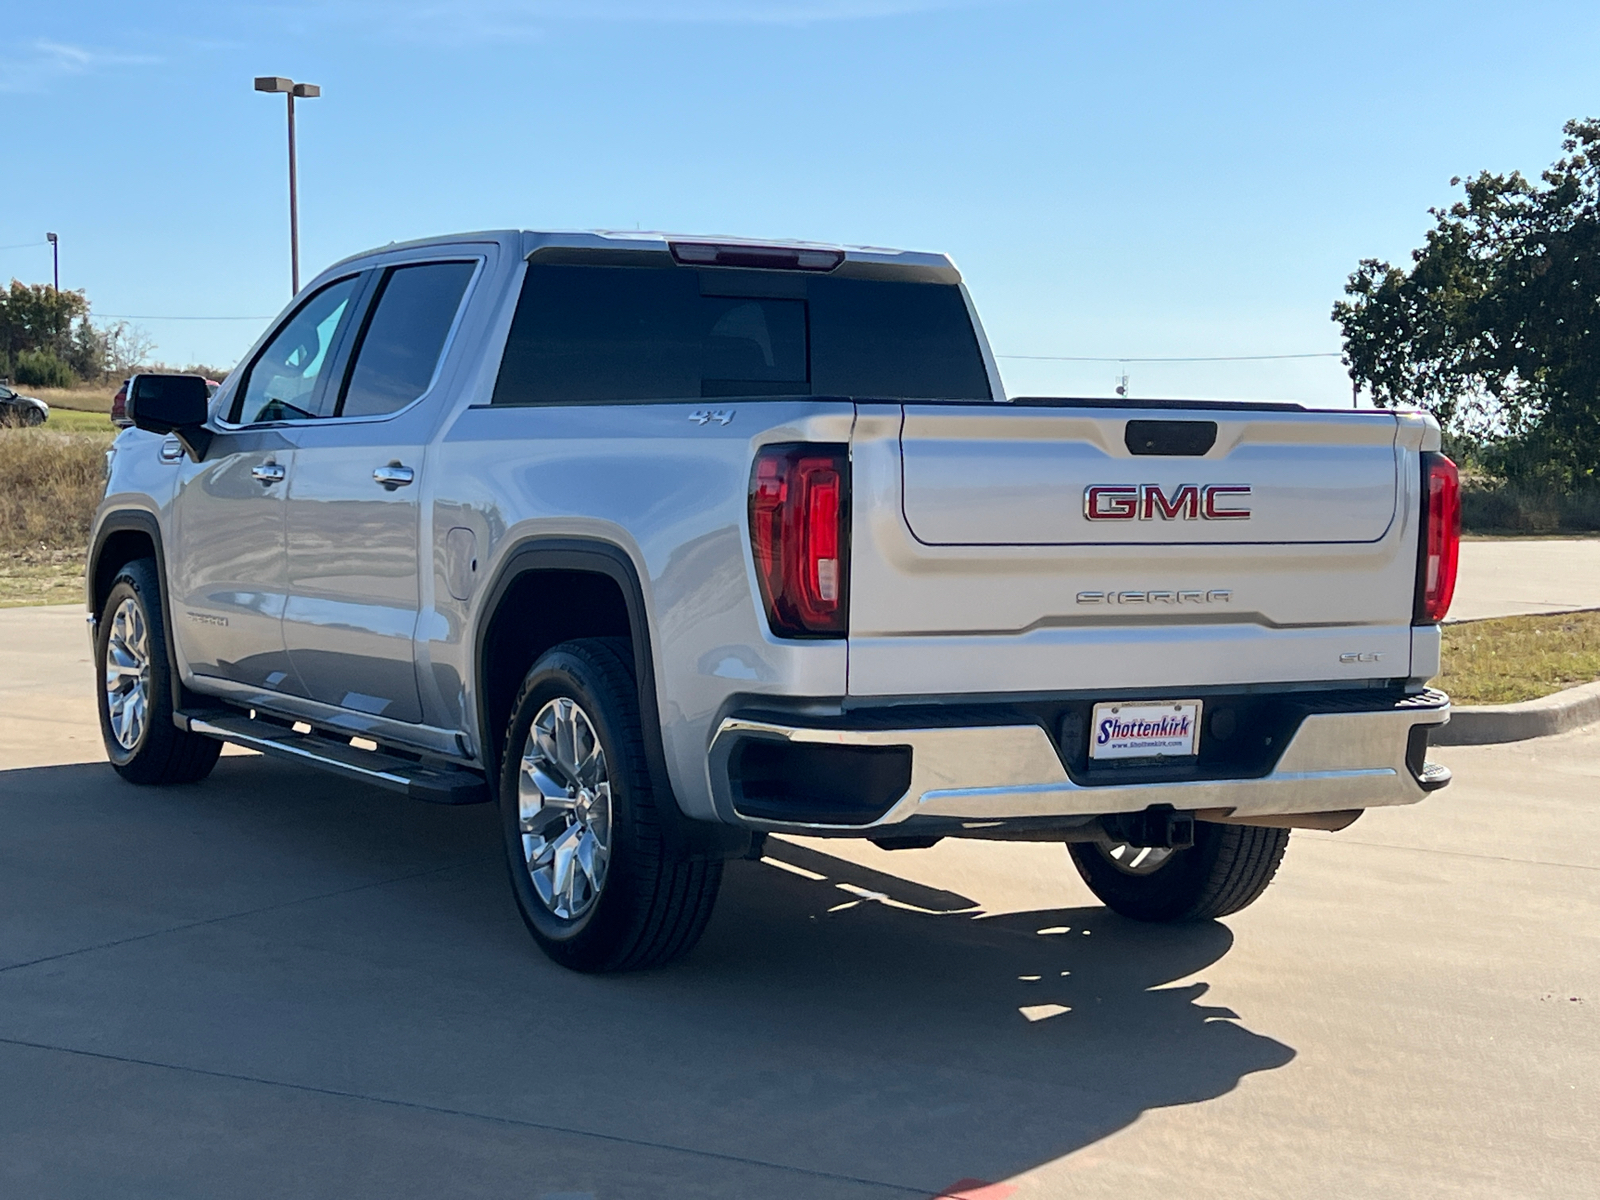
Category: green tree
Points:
column 35, row 316
column 87, row 350
column 1496, row 326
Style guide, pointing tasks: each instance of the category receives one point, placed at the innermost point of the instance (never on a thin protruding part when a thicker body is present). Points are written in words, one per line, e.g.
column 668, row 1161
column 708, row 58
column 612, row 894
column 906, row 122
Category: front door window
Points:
column 283, row 384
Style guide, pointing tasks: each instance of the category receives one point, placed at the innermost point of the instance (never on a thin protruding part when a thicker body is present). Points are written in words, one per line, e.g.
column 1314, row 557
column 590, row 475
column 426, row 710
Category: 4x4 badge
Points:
column 704, row 416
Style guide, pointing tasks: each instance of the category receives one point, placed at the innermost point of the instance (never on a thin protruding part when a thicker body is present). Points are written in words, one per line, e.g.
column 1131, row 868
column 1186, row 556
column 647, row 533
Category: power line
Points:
column 1019, row 357
column 1027, row 357
column 1201, row 358
column 24, row 245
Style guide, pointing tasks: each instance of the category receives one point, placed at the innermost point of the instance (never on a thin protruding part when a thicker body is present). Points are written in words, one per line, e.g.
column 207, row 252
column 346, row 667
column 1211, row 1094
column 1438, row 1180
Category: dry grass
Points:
column 50, row 484
column 1509, row 659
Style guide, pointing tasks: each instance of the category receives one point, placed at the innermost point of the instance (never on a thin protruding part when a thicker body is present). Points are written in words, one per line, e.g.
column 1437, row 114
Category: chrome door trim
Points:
column 395, row 475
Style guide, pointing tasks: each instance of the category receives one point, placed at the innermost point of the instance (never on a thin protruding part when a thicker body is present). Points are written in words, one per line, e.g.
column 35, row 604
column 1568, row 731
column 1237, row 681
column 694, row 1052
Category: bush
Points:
column 1509, row 508
column 40, row 368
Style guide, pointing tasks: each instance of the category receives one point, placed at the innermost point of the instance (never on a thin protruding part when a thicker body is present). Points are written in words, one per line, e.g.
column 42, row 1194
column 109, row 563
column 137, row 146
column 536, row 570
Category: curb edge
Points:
column 1492, row 724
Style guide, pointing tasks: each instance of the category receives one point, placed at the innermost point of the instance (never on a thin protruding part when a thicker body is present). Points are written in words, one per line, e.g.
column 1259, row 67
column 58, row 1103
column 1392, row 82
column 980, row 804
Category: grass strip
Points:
column 41, row 576
column 71, row 420
column 1506, row 660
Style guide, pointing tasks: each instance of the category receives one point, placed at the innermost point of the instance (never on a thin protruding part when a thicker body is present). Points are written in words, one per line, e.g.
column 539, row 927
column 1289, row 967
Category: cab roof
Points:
column 698, row 250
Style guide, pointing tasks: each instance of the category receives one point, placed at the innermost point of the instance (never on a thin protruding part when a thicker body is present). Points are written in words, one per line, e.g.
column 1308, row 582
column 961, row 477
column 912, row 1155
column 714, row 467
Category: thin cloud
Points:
column 45, row 62
column 475, row 20
column 750, row 12
column 739, row 12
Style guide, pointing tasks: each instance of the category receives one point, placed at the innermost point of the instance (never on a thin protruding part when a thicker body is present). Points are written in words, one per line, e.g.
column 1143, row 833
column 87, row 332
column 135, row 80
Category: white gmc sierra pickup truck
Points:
column 663, row 545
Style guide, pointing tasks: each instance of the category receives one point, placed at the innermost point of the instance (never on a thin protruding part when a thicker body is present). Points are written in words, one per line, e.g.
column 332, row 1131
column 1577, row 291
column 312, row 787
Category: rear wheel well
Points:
column 542, row 608
column 120, row 548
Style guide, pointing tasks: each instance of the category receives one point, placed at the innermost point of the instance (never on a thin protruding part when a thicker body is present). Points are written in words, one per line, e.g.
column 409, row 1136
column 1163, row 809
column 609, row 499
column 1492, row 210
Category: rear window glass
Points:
column 597, row 334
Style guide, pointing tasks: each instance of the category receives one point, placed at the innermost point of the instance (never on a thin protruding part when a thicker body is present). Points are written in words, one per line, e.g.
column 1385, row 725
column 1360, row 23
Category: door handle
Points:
column 395, row 475
column 267, row 473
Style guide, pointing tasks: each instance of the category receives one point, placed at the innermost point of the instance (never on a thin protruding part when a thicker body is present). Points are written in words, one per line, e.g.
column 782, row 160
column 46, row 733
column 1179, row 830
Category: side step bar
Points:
column 429, row 782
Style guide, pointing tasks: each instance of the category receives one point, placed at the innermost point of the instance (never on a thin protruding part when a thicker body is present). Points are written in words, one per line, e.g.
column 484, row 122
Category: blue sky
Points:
column 1140, row 179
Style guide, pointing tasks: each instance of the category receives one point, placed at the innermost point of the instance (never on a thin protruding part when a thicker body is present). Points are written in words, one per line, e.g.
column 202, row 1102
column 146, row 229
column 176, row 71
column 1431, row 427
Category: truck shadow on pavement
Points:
column 279, row 927
column 1047, row 1030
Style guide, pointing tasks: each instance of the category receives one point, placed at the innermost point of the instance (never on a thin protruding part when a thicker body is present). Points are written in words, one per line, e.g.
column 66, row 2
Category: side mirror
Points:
column 176, row 404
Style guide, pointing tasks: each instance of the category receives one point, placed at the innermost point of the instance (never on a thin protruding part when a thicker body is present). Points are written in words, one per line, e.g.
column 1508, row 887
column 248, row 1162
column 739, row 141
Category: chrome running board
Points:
column 434, row 783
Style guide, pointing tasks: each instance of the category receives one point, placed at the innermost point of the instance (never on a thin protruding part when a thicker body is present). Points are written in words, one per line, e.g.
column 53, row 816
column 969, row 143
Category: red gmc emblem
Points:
column 1146, row 502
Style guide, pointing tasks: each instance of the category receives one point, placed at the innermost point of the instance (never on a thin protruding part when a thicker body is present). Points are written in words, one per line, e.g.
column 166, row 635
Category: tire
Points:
column 137, row 689
column 594, row 879
column 1226, row 869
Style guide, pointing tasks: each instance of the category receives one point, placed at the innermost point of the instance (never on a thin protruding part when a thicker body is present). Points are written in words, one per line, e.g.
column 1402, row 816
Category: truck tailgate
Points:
column 1018, row 477
column 1032, row 547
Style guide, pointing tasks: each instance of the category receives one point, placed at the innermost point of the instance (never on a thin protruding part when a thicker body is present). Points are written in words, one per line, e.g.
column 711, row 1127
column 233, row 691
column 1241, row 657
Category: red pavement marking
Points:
column 976, row 1189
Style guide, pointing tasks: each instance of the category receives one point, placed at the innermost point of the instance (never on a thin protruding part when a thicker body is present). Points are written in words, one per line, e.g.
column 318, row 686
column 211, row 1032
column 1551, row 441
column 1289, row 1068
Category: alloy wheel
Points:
column 1137, row 860
column 564, row 808
column 128, row 674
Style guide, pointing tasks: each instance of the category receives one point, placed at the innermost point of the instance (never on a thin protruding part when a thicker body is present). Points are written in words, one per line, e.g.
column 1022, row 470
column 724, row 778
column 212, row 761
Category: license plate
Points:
column 1170, row 729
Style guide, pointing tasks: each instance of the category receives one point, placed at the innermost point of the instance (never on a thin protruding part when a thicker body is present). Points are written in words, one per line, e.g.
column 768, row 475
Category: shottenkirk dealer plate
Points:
column 1169, row 729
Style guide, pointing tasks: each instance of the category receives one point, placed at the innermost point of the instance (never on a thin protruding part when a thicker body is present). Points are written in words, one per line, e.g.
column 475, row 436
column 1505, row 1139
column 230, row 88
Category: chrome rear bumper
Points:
column 975, row 777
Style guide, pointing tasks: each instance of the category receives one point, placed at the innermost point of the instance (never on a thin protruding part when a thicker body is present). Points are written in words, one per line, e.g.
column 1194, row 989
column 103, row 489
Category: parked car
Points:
column 664, row 545
column 17, row 409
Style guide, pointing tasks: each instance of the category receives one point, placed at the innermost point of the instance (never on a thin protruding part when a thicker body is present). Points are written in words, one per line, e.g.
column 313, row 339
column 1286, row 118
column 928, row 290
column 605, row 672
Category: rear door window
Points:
column 597, row 334
column 398, row 349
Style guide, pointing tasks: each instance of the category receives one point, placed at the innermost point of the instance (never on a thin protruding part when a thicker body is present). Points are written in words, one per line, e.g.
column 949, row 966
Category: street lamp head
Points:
column 51, row 238
column 292, row 91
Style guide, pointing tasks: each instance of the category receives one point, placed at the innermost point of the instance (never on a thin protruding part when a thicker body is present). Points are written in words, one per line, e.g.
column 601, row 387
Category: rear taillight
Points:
column 799, row 513
column 1440, row 539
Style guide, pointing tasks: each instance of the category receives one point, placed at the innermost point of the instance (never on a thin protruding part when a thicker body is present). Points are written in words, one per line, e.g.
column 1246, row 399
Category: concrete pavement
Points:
column 278, row 983
column 1516, row 576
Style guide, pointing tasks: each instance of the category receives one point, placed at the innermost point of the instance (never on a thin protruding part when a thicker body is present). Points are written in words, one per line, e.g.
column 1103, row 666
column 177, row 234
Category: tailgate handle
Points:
column 1188, row 439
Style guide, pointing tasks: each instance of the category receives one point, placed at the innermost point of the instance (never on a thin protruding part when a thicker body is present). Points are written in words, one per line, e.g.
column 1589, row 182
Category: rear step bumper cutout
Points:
column 971, row 777
column 428, row 782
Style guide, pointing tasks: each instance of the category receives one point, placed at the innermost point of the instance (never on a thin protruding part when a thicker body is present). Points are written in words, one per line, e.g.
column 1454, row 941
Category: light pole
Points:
column 291, row 90
column 55, row 275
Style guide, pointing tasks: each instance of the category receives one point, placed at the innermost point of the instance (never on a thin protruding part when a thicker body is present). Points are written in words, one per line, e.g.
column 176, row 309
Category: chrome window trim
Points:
column 479, row 259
